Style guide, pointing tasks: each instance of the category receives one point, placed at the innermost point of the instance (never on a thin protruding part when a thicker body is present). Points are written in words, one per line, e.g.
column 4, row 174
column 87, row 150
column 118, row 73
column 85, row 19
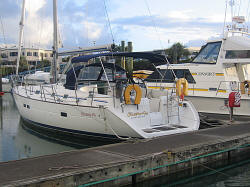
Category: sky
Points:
column 149, row 24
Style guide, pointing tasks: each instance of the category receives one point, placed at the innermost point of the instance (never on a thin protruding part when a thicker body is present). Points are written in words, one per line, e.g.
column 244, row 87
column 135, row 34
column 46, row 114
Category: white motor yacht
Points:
column 221, row 67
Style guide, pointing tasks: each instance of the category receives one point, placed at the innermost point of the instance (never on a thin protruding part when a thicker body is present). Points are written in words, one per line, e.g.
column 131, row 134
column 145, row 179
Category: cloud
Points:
column 94, row 30
column 166, row 22
column 38, row 30
column 182, row 15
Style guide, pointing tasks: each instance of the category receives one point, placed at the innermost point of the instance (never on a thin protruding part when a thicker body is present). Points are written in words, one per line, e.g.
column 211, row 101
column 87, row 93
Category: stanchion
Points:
column 231, row 113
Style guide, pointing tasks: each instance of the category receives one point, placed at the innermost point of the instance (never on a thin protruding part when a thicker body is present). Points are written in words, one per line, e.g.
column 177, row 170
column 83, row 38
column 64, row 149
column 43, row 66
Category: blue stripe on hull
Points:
column 85, row 134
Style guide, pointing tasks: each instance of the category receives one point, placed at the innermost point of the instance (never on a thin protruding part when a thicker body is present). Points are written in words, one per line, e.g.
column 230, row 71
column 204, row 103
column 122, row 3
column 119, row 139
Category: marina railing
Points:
column 98, row 95
column 50, row 92
column 227, row 86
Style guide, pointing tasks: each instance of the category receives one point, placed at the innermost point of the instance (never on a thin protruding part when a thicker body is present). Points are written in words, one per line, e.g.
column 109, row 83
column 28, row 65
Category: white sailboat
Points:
column 221, row 67
column 96, row 102
column 100, row 101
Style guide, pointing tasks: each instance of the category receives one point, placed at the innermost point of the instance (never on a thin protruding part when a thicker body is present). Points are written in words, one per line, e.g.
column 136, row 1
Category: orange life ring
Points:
column 138, row 96
column 243, row 87
column 182, row 87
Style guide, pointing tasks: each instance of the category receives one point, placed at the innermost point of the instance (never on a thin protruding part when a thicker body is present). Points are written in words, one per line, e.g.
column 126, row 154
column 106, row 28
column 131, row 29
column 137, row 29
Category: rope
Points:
column 111, row 32
column 147, row 5
column 119, row 137
column 63, row 167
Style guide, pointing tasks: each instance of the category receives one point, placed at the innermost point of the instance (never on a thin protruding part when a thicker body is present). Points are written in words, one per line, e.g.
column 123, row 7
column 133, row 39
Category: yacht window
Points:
column 231, row 72
column 109, row 75
column 169, row 75
column 209, row 53
column 246, row 70
column 233, row 54
column 89, row 73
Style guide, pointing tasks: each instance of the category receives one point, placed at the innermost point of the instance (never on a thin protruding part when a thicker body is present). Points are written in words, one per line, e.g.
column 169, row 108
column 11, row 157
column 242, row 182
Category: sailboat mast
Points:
column 21, row 24
column 55, row 45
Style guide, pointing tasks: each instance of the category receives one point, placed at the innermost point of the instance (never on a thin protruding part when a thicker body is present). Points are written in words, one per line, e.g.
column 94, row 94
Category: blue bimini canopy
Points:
column 153, row 58
column 71, row 75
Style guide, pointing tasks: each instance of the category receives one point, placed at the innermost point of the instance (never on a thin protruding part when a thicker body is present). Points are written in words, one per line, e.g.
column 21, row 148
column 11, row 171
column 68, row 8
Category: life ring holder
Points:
column 127, row 91
column 182, row 87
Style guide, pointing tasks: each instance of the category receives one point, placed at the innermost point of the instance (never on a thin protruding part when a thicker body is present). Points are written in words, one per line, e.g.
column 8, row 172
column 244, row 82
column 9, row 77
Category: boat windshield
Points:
column 96, row 73
column 89, row 73
column 208, row 54
column 169, row 75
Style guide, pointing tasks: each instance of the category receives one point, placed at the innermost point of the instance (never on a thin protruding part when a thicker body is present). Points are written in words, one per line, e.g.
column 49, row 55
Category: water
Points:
column 236, row 176
column 15, row 142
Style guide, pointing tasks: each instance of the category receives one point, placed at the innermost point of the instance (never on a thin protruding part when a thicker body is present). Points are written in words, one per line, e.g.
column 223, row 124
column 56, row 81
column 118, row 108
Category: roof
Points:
column 237, row 43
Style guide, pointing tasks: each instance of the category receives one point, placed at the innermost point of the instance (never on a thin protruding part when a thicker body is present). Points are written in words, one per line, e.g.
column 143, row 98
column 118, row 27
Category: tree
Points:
column 23, row 64
column 46, row 63
column 176, row 51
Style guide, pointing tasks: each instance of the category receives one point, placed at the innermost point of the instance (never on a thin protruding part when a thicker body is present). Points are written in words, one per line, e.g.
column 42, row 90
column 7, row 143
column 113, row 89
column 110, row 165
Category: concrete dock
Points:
column 129, row 162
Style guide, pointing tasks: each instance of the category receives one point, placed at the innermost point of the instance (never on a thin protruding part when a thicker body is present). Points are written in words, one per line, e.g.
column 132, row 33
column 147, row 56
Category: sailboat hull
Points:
column 77, row 121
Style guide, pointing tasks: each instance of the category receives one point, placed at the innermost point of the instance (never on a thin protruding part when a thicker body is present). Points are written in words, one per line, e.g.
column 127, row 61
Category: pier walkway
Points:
column 125, row 162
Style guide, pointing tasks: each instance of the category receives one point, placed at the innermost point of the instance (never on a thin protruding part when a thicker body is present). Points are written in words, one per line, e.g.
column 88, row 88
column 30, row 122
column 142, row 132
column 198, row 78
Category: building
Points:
column 32, row 55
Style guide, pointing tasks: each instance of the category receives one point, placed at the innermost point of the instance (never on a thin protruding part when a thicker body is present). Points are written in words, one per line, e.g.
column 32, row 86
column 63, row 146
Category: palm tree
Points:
column 176, row 51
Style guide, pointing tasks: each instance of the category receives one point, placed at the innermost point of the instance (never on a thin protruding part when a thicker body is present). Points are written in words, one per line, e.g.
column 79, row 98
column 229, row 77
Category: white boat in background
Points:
column 221, row 67
column 6, row 85
column 98, row 100
column 5, row 80
column 39, row 77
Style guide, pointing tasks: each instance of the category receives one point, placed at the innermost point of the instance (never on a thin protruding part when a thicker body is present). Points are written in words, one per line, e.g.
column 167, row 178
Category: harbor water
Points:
column 232, row 175
column 17, row 143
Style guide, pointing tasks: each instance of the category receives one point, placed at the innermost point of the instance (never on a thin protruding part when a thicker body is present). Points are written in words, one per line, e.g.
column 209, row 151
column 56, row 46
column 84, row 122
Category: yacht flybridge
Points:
column 221, row 67
column 99, row 100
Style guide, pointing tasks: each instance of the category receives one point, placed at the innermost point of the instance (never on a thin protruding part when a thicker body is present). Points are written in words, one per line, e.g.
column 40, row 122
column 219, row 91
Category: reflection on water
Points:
column 17, row 143
column 236, row 174
column 233, row 177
